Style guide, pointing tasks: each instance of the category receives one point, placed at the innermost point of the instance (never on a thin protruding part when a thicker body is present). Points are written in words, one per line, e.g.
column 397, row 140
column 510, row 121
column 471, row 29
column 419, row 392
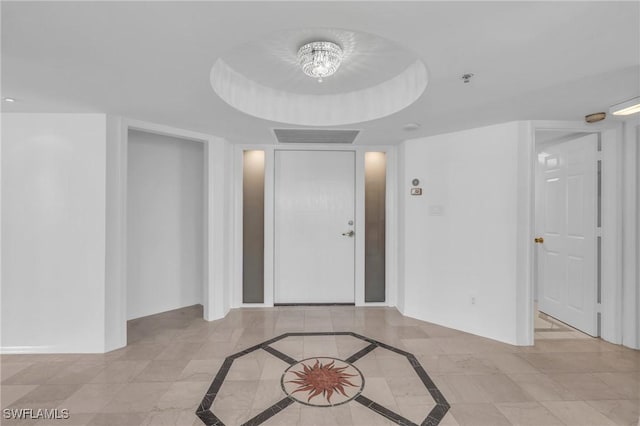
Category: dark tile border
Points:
column 286, row 358
column 433, row 419
column 204, row 409
column 353, row 358
column 385, row 412
column 269, row 412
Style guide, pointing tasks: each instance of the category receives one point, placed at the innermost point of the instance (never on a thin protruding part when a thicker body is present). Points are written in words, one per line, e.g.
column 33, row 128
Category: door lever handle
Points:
column 348, row 234
column 538, row 240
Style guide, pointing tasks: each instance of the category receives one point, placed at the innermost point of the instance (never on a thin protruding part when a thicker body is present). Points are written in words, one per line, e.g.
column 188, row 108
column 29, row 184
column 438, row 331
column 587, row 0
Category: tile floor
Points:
column 160, row 378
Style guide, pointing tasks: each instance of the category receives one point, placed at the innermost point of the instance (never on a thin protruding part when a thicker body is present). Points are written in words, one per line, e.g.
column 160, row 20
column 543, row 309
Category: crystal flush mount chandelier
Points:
column 320, row 59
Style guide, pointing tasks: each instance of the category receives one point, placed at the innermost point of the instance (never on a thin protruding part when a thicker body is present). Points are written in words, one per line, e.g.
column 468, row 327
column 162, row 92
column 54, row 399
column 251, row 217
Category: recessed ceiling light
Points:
column 627, row 107
column 8, row 99
column 411, row 127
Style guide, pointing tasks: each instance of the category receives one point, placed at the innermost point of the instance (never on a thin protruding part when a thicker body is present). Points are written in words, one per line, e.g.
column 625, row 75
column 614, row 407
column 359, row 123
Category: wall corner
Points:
column 218, row 228
column 115, row 322
column 524, row 234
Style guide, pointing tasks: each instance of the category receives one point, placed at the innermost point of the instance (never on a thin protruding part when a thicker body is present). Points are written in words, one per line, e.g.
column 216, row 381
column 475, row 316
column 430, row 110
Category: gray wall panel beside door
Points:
column 253, row 227
column 375, row 170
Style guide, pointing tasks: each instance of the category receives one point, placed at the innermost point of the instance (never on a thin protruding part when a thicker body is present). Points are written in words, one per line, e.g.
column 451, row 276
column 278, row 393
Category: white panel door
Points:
column 314, row 206
column 566, row 220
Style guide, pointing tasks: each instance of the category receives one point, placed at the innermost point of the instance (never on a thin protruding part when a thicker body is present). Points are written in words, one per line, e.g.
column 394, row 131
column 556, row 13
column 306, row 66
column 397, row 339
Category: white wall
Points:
column 637, row 250
column 220, row 223
column 401, row 189
column 53, row 232
column 165, row 223
column 116, row 242
column 460, row 239
column 631, row 234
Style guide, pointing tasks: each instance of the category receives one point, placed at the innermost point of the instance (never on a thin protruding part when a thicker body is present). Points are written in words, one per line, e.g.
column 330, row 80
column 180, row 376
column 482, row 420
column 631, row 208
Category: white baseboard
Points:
column 55, row 349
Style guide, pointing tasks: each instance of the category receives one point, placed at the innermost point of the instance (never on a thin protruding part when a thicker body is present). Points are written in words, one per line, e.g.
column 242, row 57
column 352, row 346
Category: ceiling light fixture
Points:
column 320, row 59
column 595, row 117
column 627, row 107
column 9, row 99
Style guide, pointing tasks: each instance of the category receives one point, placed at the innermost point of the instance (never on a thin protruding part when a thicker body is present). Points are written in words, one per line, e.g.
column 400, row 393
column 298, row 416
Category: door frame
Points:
column 269, row 219
column 610, row 308
column 216, row 243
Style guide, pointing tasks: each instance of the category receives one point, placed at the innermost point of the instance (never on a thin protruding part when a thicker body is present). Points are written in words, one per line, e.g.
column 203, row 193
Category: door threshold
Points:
column 314, row 304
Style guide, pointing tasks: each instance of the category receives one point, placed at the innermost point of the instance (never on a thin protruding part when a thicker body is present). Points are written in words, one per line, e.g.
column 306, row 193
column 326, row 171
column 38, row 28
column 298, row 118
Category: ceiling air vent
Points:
column 315, row 135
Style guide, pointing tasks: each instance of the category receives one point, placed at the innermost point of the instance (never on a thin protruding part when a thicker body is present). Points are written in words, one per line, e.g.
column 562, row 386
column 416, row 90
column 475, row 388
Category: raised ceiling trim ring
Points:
column 336, row 109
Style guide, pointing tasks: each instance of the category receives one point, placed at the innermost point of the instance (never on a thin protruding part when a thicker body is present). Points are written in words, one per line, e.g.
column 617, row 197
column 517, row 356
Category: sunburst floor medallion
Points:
column 267, row 380
column 322, row 382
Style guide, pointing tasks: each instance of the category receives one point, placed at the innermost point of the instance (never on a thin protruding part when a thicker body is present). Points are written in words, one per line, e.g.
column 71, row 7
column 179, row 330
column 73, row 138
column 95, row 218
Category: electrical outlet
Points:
column 473, row 300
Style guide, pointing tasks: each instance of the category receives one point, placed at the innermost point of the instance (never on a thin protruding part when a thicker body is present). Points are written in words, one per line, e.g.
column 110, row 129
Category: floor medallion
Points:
column 275, row 377
column 322, row 382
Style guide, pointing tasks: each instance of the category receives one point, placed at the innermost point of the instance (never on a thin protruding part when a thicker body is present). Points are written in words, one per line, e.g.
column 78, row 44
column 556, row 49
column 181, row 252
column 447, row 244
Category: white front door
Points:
column 566, row 206
column 314, row 208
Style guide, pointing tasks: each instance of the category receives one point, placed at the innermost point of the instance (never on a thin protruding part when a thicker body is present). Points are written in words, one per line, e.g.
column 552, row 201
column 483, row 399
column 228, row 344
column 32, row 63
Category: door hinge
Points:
column 598, row 232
